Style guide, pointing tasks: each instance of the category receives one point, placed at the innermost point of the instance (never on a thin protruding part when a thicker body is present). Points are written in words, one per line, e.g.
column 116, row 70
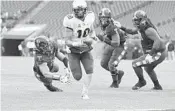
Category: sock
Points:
column 139, row 73
column 153, row 77
column 114, row 76
column 87, row 81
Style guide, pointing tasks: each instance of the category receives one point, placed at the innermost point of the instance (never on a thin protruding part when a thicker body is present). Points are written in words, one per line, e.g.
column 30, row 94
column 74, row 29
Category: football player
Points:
column 45, row 69
column 153, row 48
column 114, row 40
column 80, row 34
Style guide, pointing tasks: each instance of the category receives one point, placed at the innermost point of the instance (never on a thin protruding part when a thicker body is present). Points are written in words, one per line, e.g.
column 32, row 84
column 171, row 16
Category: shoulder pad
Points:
column 69, row 16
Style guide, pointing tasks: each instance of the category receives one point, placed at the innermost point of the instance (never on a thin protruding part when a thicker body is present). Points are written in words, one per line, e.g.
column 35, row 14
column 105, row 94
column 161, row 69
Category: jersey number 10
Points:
column 82, row 33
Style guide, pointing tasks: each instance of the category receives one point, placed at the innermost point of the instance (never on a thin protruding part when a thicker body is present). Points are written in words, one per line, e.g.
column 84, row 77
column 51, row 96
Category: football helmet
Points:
column 139, row 18
column 104, row 17
column 42, row 43
column 79, row 8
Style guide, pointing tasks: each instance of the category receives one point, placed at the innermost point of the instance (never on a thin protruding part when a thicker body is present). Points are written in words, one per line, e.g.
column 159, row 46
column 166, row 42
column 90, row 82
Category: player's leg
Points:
column 137, row 66
column 88, row 64
column 74, row 63
column 55, row 67
column 107, row 53
column 46, row 81
column 116, row 74
column 150, row 70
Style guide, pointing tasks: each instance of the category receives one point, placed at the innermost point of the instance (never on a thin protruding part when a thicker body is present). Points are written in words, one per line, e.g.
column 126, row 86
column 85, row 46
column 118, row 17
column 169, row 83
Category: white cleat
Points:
column 85, row 97
column 85, row 93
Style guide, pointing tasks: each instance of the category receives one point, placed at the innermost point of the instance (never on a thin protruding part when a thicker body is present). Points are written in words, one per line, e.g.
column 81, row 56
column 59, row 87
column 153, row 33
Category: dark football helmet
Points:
column 42, row 43
column 139, row 18
column 105, row 17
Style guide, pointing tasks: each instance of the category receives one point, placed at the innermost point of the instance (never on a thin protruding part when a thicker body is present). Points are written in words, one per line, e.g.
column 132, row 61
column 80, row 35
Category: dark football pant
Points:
column 149, row 67
column 87, row 61
column 157, row 59
column 110, row 54
column 38, row 74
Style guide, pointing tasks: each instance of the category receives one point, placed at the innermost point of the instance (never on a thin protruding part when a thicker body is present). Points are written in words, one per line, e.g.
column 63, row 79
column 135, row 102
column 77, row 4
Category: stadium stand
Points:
column 159, row 11
column 53, row 13
column 14, row 6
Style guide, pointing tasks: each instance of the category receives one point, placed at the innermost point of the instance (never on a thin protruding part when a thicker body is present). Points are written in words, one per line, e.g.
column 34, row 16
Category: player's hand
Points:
column 64, row 79
column 68, row 73
column 100, row 36
column 79, row 43
column 88, row 41
column 149, row 58
column 106, row 39
column 116, row 23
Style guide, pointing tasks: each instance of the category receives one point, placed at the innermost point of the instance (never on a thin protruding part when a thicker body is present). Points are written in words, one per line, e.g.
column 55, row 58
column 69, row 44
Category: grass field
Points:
column 20, row 90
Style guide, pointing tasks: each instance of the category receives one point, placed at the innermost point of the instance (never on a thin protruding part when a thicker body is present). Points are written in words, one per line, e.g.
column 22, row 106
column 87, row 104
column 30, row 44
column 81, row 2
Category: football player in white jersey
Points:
column 80, row 35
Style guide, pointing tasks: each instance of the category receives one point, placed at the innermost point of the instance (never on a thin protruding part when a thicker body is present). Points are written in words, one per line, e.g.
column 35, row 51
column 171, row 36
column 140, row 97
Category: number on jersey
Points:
column 83, row 33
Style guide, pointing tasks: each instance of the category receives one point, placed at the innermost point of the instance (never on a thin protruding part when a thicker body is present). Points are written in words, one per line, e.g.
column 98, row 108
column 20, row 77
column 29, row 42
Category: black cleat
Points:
column 159, row 87
column 120, row 75
column 114, row 84
column 139, row 85
column 52, row 88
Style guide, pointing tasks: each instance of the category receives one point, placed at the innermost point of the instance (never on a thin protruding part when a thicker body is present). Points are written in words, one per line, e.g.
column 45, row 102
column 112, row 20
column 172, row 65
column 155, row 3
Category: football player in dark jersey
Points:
column 45, row 68
column 114, row 40
column 153, row 48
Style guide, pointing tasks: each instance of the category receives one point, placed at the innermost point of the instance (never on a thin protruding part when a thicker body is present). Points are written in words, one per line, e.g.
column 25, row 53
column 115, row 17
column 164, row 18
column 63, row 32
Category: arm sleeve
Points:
column 129, row 31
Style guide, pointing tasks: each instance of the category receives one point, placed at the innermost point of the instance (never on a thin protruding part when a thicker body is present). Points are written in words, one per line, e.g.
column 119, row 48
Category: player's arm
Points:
column 115, row 38
column 129, row 31
column 62, row 58
column 153, row 35
column 46, row 72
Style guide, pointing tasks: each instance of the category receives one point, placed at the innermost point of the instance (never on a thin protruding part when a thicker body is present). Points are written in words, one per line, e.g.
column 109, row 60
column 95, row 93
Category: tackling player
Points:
column 80, row 34
column 153, row 48
column 45, row 69
column 114, row 41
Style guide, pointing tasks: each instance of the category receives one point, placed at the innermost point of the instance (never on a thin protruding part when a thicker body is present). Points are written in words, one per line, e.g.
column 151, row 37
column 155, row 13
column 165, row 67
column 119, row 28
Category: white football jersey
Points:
column 80, row 28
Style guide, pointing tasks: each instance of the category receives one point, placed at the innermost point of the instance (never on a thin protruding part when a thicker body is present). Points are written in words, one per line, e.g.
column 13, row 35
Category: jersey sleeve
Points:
column 67, row 21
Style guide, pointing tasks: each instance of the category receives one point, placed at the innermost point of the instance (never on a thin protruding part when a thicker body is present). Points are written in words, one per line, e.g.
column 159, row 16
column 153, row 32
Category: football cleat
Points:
column 120, row 75
column 159, row 87
column 139, row 85
column 85, row 97
column 114, row 84
column 85, row 93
